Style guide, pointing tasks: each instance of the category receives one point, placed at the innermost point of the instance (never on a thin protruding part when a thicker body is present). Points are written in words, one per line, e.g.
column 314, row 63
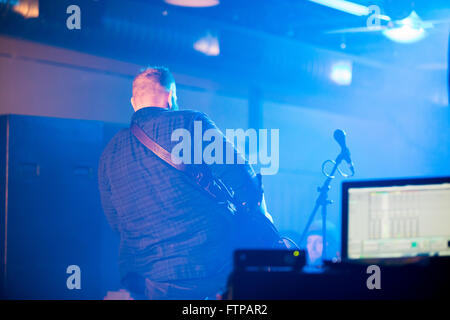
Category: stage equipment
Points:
column 322, row 200
column 395, row 218
column 51, row 218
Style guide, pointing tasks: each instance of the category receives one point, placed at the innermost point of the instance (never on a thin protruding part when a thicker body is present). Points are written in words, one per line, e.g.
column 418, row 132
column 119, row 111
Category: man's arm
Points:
column 105, row 196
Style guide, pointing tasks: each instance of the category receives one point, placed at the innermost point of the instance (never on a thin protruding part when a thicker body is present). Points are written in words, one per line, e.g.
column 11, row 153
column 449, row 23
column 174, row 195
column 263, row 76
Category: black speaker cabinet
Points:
column 51, row 216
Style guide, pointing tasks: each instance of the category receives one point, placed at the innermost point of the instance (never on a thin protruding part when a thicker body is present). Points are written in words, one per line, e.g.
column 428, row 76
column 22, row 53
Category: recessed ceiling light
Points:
column 208, row 45
column 193, row 3
column 341, row 73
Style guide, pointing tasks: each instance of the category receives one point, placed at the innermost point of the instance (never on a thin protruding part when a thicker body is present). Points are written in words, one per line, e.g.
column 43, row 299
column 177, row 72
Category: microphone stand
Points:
column 323, row 201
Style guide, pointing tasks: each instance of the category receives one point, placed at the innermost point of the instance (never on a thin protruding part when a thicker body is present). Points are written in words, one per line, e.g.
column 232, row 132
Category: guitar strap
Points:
column 155, row 147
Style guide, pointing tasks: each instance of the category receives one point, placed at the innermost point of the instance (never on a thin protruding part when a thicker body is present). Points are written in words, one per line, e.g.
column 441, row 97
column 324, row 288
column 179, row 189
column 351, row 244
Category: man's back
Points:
column 170, row 230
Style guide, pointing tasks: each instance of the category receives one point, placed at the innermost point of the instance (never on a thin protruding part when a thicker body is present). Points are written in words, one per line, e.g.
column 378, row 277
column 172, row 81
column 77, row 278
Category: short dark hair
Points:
column 153, row 79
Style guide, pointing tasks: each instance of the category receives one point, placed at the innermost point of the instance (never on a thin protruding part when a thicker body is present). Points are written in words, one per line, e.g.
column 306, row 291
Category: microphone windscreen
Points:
column 339, row 136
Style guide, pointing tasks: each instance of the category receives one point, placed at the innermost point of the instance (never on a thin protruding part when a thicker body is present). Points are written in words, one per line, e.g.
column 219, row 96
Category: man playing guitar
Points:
column 178, row 226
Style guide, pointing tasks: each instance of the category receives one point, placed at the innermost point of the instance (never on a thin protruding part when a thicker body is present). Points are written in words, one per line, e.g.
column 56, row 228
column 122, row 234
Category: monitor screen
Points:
column 389, row 219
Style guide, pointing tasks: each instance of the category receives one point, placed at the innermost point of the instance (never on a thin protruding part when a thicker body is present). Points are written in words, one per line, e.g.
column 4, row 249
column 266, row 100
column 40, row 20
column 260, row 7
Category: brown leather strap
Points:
column 159, row 151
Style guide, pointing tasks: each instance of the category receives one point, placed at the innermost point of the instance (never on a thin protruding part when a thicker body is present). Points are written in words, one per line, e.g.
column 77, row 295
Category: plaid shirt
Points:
column 169, row 229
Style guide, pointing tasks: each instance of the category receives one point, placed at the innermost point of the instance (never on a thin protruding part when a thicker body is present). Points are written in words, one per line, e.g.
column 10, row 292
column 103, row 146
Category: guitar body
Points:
column 253, row 230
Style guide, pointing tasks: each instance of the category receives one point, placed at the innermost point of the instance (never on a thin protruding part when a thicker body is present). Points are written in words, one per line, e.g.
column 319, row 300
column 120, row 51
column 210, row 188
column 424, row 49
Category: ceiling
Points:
column 299, row 20
column 309, row 22
column 256, row 37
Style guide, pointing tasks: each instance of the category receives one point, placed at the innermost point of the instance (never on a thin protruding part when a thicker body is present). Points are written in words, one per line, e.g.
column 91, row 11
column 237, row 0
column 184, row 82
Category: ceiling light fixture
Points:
column 350, row 7
column 193, row 3
column 411, row 29
column 341, row 73
column 345, row 6
column 26, row 8
column 208, row 45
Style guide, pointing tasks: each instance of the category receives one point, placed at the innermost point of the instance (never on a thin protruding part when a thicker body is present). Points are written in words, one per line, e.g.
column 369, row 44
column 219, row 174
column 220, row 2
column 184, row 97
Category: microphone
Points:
column 339, row 135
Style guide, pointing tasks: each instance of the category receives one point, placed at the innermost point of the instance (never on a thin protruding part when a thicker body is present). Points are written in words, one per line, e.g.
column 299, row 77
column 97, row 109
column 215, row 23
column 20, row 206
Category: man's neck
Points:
column 151, row 106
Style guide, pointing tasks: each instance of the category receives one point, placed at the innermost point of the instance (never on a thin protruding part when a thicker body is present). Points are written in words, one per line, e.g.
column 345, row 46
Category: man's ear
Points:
column 169, row 99
column 132, row 103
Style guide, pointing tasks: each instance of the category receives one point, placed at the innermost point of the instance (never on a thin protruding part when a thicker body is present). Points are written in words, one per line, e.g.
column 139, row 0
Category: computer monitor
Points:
column 396, row 218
